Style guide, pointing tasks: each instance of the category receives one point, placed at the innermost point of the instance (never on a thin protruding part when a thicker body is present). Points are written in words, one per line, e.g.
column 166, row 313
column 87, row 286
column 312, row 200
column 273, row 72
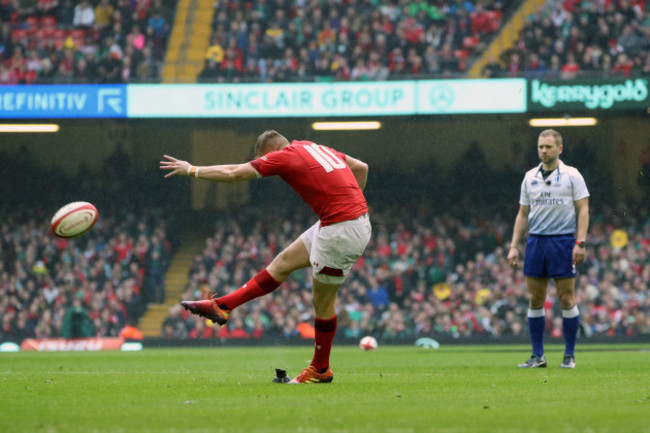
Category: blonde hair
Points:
column 552, row 133
column 269, row 141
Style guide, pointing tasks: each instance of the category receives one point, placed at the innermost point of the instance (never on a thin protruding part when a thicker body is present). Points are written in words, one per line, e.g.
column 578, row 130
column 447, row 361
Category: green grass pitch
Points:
column 396, row 389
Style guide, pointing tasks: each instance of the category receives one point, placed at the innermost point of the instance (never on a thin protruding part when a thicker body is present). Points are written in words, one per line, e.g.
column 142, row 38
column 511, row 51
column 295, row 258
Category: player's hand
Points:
column 513, row 257
column 578, row 255
column 177, row 166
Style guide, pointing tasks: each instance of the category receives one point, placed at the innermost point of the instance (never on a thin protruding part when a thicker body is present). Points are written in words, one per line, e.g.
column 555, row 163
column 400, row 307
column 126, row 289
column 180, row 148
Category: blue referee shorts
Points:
column 550, row 256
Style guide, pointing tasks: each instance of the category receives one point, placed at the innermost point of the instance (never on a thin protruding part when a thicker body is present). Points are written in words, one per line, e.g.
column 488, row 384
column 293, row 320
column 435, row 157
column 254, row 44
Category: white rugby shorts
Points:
column 335, row 248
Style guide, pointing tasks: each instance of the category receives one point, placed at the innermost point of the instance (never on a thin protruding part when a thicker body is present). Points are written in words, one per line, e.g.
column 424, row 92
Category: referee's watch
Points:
column 581, row 244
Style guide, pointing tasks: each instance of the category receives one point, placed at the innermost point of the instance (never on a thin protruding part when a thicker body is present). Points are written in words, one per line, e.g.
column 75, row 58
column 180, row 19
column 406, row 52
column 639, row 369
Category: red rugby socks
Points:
column 261, row 284
column 325, row 331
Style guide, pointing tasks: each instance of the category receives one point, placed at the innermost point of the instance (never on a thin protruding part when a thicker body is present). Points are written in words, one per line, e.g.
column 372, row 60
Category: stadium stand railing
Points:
column 188, row 41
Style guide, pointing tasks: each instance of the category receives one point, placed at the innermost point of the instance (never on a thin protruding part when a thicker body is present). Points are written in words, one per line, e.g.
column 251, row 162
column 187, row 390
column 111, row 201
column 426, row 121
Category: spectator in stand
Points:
column 159, row 29
column 173, row 326
column 554, row 70
column 46, row 74
column 211, row 72
column 148, row 68
column 492, row 68
column 360, row 72
column 18, row 65
column 534, row 67
column 570, row 69
column 131, row 332
column 449, row 62
column 514, row 66
column 84, row 15
column 103, row 15
column 340, row 68
column 65, row 13
column 6, row 42
column 157, row 263
column 46, row 7
column 589, row 61
column 136, row 38
column 623, row 66
column 77, row 322
column 110, row 68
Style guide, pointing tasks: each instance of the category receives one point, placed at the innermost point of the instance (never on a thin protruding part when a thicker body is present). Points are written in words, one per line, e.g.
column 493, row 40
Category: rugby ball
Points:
column 368, row 343
column 74, row 219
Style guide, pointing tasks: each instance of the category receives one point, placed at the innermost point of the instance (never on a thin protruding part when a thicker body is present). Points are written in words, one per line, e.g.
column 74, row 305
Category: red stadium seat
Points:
column 19, row 36
column 40, row 34
column 59, row 42
column 59, row 34
column 48, row 32
column 78, row 34
column 48, row 22
column 31, row 22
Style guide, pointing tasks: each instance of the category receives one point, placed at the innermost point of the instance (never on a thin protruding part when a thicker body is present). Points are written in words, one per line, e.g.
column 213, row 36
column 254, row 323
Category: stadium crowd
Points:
column 52, row 287
column 571, row 39
column 100, row 41
column 424, row 274
column 395, row 39
column 85, row 287
column 118, row 41
column 279, row 41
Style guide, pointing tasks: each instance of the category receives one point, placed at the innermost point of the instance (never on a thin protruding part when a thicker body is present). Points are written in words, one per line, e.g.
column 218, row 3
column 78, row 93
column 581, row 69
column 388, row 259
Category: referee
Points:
column 554, row 207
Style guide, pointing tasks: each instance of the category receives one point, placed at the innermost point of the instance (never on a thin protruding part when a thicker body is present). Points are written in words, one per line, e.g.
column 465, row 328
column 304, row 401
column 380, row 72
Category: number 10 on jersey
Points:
column 325, row 157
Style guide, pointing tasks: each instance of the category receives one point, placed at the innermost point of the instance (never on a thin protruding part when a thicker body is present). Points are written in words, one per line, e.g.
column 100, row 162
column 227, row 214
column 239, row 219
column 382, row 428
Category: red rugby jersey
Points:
column 320, row 176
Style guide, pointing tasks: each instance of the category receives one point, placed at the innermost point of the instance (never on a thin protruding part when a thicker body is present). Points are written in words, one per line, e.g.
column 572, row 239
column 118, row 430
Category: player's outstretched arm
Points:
column 227, row 173
column 359, row 169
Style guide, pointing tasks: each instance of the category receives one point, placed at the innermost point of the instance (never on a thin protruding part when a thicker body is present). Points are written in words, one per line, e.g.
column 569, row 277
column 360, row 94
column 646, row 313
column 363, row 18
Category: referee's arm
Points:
column 521, row 225
column 582, row 209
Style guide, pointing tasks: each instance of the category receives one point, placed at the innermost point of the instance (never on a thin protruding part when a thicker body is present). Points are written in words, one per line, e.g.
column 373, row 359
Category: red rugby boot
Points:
column 310, row 375
column 207, row 308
